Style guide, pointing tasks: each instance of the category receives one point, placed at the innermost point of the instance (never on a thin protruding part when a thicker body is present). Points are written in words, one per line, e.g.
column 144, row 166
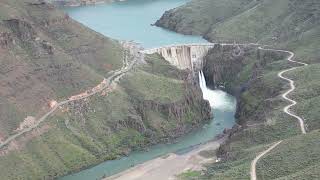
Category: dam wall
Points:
column 187, row 56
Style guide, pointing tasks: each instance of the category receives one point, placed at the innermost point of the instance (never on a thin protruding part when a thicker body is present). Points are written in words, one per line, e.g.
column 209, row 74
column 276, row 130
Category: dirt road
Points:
column 253, row 175
column 114, row 78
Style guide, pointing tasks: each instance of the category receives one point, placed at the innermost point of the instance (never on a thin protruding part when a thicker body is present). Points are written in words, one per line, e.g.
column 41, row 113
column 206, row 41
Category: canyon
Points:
column 72, row 98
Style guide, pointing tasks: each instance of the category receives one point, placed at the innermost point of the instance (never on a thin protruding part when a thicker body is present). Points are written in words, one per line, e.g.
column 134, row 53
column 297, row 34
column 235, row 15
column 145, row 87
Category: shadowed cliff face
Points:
column 222, row 64
column 5, row 40
column 241, row 71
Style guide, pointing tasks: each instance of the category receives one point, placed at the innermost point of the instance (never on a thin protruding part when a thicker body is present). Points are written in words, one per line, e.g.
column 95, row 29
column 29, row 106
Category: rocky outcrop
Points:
column 192, row 102
column 54, row 21
column 6, row 40
column 24, row 32
column 22, row 29
column 222, row 63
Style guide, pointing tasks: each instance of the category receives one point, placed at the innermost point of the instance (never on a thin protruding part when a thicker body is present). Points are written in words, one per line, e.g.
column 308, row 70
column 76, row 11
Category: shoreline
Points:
column 172, row 164
column 220, row 138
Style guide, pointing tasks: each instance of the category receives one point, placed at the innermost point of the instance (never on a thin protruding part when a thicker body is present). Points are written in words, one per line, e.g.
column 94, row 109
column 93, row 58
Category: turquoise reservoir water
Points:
column 130, row 20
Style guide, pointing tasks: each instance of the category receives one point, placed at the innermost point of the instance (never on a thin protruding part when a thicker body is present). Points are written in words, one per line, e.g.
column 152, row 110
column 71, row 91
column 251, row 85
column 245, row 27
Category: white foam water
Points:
column 218, row 99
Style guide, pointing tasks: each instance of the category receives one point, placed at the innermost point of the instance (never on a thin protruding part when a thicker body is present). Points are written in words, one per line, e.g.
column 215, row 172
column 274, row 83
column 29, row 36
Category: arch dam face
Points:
column 184, row 56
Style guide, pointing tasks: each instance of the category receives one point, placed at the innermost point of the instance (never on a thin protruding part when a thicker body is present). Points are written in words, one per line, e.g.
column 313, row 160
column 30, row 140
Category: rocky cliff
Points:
column 238, row 70
column 189, row 113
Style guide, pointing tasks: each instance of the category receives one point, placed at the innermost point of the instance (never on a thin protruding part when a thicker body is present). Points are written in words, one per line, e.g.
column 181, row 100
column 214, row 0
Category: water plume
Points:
column 218, row 99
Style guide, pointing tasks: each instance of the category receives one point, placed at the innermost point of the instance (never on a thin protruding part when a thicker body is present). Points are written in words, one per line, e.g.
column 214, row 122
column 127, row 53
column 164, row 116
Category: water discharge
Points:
column 218, row 99
column 130, row 20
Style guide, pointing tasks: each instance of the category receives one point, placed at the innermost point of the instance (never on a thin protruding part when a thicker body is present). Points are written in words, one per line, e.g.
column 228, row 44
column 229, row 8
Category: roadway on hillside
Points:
column 253, row 175
column 114, row 78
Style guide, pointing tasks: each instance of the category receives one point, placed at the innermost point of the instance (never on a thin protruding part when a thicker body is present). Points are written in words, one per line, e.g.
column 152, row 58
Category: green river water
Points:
column 131, row 20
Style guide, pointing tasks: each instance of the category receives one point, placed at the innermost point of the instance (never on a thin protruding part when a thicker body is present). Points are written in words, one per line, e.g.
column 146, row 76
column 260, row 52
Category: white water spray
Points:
column 218, row 99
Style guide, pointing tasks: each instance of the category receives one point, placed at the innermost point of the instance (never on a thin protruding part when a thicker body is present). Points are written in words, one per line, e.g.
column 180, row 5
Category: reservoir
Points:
column 131, row 20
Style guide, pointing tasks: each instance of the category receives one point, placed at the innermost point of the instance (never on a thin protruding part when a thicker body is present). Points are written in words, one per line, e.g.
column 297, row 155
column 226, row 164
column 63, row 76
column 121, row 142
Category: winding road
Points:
column 292, row 87
column 110, row 80
column 253, row 175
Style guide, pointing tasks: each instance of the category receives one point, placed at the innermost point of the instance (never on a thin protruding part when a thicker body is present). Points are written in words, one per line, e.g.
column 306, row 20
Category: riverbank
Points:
column 170, row 165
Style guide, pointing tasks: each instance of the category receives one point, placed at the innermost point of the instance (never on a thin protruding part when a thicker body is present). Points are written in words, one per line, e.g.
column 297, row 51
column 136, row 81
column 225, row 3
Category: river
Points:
column 131, row 20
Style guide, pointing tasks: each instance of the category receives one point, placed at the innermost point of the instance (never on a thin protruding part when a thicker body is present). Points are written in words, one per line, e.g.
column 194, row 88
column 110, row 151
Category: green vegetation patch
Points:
column 151, row 87
column 298, row 153
column 189, row 175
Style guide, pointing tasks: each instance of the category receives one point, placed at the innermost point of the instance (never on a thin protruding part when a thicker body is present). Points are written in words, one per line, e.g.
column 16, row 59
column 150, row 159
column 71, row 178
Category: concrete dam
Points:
column 186, row 56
